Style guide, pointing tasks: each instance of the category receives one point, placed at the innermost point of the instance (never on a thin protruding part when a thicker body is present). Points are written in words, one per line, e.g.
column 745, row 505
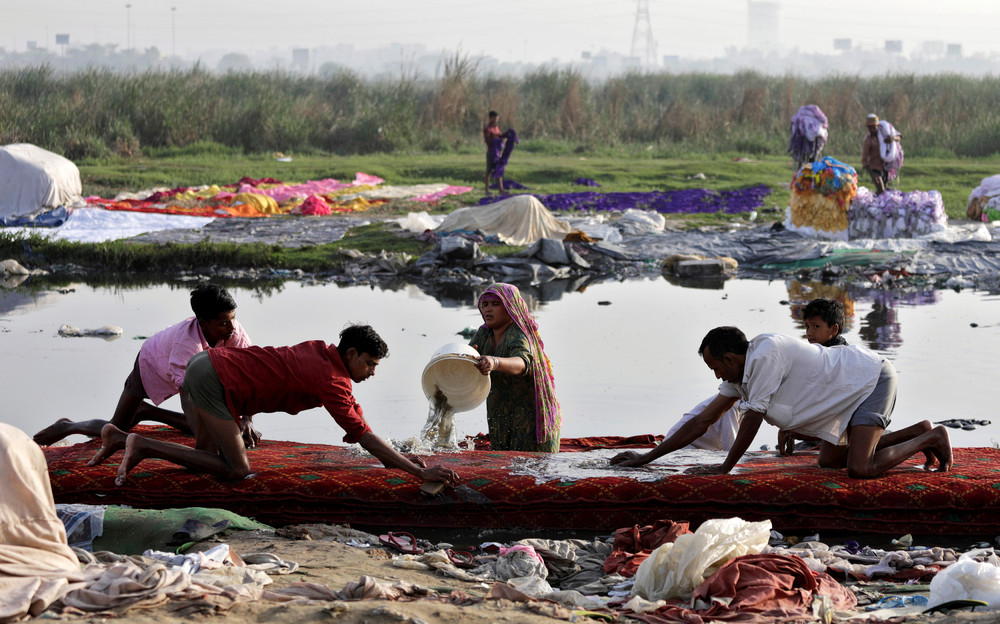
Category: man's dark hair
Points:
column 210, row 300
column 829, row 310
column 493, row 114
column 723, row 340
column 363, row 339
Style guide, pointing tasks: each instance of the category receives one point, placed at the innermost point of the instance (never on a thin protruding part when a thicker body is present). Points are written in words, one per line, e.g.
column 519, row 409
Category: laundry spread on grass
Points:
column 96, row 219
column 266, row 196
column 681, row 201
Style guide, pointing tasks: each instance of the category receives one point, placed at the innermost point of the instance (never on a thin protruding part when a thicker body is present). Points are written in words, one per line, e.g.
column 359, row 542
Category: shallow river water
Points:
column 624, row 353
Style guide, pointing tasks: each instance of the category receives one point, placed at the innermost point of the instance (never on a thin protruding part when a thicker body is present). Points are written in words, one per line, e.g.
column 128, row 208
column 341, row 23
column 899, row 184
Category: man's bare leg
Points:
column 866, row 459
column 131, row 409
column 891, row 438
column 230, row 463
column 832, row 456
column 65, row 427
column 150, row 412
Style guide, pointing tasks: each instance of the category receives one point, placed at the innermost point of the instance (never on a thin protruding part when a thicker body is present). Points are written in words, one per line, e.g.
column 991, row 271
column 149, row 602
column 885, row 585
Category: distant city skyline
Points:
column 533, row 31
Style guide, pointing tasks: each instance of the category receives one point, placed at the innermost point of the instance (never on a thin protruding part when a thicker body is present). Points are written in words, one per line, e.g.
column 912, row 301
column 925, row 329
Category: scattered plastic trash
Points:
column 967, row 579
column 101, row 332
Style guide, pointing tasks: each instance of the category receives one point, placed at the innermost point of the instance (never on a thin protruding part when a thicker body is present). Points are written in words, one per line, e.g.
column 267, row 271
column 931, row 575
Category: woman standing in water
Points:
column 522, row 410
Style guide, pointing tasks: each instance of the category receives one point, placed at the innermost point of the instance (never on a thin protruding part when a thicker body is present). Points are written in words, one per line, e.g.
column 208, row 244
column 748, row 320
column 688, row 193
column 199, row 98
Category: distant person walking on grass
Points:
column 808, row 135
column 499, row 146
column 881, row 152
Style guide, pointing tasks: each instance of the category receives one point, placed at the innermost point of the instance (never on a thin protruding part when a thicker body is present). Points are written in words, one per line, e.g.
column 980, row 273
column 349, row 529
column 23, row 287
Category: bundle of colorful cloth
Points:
column 821, row 195
column 895, row 214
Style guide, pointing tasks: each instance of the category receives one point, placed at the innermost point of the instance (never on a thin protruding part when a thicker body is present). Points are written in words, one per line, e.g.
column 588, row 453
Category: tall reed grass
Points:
column 99, row 113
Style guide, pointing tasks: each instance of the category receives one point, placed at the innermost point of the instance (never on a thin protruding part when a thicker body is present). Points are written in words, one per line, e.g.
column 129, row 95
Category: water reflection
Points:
column 708, row 283
column 464, row 295
column 801, row 293
column 879, row 328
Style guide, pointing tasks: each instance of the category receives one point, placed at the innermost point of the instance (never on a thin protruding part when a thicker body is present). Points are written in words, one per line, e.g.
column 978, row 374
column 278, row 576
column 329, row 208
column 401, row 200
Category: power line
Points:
column 643, row 44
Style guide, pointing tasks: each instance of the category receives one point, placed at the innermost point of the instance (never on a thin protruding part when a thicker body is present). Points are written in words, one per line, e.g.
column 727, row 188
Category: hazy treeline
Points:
column 99, row 113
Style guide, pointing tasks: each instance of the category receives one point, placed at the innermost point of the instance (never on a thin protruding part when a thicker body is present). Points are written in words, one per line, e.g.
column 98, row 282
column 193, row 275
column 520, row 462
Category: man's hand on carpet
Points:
column 628, row 459
column 707, row 470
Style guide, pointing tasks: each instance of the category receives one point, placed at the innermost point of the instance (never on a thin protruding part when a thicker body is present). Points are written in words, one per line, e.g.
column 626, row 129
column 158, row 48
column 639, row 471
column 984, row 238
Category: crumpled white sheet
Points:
column 674, row 569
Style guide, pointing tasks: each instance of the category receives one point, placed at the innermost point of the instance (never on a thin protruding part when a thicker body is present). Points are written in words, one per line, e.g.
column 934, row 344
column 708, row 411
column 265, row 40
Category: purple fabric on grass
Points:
column 585, row 182
column 509, row 184
column 683, row 201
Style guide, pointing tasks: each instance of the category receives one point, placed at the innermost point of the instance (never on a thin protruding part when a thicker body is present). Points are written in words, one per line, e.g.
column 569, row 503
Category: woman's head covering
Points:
column 548, row 415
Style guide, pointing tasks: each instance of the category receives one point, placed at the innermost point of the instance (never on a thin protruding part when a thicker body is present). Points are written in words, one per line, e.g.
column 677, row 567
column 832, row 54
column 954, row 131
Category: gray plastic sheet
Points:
column 968, row 250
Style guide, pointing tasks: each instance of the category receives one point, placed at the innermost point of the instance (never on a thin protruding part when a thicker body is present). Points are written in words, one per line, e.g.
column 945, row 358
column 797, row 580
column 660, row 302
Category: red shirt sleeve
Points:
column 348, row 414
column 340, row 402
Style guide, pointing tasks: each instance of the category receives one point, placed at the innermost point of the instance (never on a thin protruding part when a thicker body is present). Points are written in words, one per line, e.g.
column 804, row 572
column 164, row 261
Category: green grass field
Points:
column 544, row 171
column 547, row 171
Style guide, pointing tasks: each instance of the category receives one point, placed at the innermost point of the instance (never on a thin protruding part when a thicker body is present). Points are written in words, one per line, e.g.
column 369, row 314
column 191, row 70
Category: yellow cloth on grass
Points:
column 262, row 203
column 205, row 193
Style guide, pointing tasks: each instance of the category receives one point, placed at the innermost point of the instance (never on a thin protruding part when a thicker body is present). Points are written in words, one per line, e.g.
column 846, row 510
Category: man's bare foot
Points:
column 112, row 441
column 53, row 433
column 942, row 449
column 133, row 455
column 929, row 460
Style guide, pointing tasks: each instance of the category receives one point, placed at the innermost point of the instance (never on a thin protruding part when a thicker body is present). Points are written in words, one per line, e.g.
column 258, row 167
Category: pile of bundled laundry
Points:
column 821, row 196
column 895, row 214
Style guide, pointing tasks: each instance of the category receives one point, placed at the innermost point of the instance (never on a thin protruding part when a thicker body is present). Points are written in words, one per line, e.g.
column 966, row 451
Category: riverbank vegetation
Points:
column 100, row 113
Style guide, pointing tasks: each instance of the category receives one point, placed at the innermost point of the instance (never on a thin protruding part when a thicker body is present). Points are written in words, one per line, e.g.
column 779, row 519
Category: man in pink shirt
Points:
column 227, row 386
column 159, row 368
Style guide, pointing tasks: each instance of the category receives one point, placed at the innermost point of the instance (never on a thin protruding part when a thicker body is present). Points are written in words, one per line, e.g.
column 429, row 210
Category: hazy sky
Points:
column 511, row 30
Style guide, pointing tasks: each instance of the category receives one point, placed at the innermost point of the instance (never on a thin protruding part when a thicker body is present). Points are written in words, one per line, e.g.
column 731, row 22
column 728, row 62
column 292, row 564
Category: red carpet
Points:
column 298, row 483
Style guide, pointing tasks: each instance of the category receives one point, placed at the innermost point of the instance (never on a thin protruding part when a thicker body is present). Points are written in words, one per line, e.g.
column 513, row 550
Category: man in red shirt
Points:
column 227, row 386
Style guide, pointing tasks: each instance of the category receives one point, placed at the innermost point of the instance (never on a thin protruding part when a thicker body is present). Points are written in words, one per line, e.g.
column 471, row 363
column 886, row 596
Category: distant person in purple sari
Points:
column 499, row 146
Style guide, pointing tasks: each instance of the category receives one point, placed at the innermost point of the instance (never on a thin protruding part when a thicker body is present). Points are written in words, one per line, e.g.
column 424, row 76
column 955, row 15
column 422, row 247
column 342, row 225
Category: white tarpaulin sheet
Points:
column 96, row 225
column 517, row 220
column 32, row 178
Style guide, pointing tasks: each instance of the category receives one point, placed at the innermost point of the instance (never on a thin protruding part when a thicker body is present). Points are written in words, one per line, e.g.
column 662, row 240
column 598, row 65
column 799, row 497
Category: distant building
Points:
column 762, row 24
column 894, row 46
column 954, row 50
column 841, row 44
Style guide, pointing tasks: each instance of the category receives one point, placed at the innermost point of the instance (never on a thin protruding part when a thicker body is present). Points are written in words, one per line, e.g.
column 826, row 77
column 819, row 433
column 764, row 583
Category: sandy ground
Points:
column 325, row 561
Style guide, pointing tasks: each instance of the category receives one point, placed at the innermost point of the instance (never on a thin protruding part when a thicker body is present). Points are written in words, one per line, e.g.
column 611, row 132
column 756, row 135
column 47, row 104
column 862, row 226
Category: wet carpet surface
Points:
column 297, row 483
